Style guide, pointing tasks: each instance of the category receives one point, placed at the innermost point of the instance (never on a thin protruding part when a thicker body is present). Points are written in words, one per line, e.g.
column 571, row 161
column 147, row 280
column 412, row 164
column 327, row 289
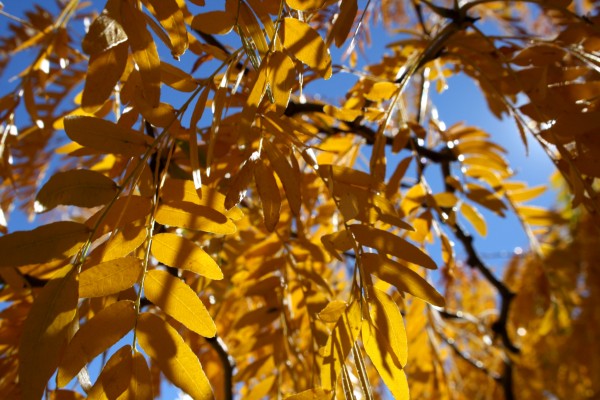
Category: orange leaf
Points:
column 304, row 43
column 171, row 18
column 185, row 214
column 179, row 252
column 103, row 73
column 269, row 194
column 109, row 277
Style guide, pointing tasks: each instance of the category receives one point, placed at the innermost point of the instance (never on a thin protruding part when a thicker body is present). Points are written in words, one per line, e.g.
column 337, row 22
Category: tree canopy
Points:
column 213, row 214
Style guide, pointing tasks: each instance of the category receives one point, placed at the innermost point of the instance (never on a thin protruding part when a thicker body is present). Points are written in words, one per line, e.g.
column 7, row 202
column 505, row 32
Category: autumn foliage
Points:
column 206, row 218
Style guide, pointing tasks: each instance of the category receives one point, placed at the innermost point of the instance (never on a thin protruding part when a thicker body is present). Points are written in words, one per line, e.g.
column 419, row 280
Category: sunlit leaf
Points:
column 114, row 322
column 179, row 252
column 109, row 277
column 44, row 333
column 78, row 187
column 55, row 241
column 304, row 43
column 171, row 18
column 173, row 356
column 179, row 301
column 103, row 73
column 185, row 214
column 269, row 194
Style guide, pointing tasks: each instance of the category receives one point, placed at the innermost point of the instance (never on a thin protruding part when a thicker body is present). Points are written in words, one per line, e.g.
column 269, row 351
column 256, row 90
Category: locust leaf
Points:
column 269, row 194
column 144, row 51
column 115, row 376
column 304, row 43
column 179, row 252
column 173, row 356
column 55, row 241
column 312, row 394
column 114, row 322
column 105, row 136
column 185, row 214
column 171, row 18
column 402, row 277
column 474, row 217
column 78, row 187
column 44, row 333
column 103, row 73
column 109, row 277
column 179, row 301
column 289, row 179
column 388, row 243
column 104, row 33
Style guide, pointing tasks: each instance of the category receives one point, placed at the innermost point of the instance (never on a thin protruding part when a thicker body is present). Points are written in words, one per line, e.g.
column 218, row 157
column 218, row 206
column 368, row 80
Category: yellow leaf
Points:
column 388, row 321
column 104, row 33
column 115, row 376
column 171, row 18
column 312, row 394
column 124, row 211
column 269, row 194
column 251, row 28
column 402, row 277
column 389, row 369
column 55, row 241
column 185, row 214
column 162, row 115
column 239, row 185
column 140, row 386
column 343, row 114
column 388, row 243
column 445, row 199
column 176, row 78
column 105, row 136
column 179, row 252
column 78, row 187
column 214, row 22
column 113, row 323
column 304, row 43
column 305, row 5
column 261, row 389
column 289, row 179
column 103, row 73
column 173, row 356
column 526, row 194
column 343, row 22
column 338, row 241
column 348, row 175
column 338, row 346
column 333, row 311
column 144, row 51
column 255, row 97
column 184, row 190
column 381, row 91
column 281, row 77
column 474, row 217
column 539, row 216
column 179, row 301
column 121, row 244
column 44, row 333
column 109, row 277
column 62, row 394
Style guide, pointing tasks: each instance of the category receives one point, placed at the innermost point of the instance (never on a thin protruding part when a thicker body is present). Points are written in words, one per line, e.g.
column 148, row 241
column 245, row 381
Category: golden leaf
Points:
column 304, row 43
column 109, row 277
column 173, row 356
column 312, row 394
column 214, row 22
column 113, row 322
column 115, row 376
column 105, row 136
column 402, row 277
column 269, row 194
column 179, row 252
column 388, row 243
column 55, row 241
column 124, row 211
column 103, row 73
column 78, row 187
column 185, row 214
column 44, row 333
column 179, row 301
column 333, row 311
column 281, row 73
column 144, row 51
column 289, row 179
column 474, row 217
column 176, row 78
column 103, row 34
column 171, row 18
column 140, row 386
column 343, row 22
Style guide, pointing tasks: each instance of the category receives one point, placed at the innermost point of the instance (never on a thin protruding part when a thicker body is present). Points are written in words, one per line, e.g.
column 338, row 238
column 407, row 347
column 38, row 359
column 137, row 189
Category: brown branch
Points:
column 228, row 363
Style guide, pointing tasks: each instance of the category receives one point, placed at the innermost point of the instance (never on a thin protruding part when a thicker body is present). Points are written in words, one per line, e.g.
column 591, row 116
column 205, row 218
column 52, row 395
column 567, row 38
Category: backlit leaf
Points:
column 388, row 243
column 402, row 277
column 113, row 322
column 171, row 18
column 140, row 386
column 144, row 51
column 304, row 43
column 55, row 241
column 114, row 377
column 304, row 5
column 44, row 333
column 78, row 187
column 474, row 217
column 179, row 252
column 214, row 22
column 176, row 78
column 333, row 311
column 312, row 394
column 269, row 194
column 185, row 214
column 173, row 356
column 104, row 33
column 343, row 22
column 286, row 174
column 124, row 211
column 105, row 136
column 103, row 73
column 109, row 277
column 179, row 301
